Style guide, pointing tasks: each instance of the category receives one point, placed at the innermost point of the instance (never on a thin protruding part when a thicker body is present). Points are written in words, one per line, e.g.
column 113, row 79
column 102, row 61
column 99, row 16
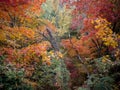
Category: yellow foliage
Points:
column 105, row 58
column 2, row 35
column 117, row 54
column 36, row 51
column 105, row 33
column 59, row 54
column 72, row 53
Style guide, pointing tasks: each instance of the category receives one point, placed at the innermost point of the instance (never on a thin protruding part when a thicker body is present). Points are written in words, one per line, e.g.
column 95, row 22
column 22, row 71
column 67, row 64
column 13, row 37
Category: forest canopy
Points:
column 59, row 44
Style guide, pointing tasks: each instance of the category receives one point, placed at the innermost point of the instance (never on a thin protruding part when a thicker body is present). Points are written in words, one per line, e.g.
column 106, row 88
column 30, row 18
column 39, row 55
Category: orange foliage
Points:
column 18, row 32
column 28, row 55
column 35, row 51
column 36, row 5
column 16, row 15
column 76, row 45
column 13, row 8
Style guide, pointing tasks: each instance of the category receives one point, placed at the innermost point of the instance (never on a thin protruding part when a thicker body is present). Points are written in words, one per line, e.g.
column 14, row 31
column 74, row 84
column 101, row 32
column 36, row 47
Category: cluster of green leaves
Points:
column 58, row 14
column 103, row 76
column 51, row 77
column 11, row 78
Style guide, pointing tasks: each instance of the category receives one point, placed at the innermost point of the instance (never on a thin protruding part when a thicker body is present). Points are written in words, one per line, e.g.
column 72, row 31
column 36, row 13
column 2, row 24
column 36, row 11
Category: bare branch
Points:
column 52, row 39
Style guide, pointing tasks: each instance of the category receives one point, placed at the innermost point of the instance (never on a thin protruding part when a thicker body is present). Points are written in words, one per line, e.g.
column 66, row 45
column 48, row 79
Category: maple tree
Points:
column 85, row 13
column 16, row 32
column 97, row 32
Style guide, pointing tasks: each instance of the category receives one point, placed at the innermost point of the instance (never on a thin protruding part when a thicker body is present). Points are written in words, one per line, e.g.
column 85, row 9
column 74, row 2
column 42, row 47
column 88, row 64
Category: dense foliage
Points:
column 59, row 44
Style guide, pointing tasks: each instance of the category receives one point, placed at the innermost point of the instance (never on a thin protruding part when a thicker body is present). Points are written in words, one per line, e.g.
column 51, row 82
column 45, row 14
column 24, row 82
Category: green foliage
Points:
column 105, row 83
column 114, row 72
column 105, row 76
column 81, row 88
column 62, row 75
column 101, row 66
column 101, row 79
column 1, row 59
column 51, row 77
column 44, row 75
column 98, row 82
column 12, row 79
column 59, row 15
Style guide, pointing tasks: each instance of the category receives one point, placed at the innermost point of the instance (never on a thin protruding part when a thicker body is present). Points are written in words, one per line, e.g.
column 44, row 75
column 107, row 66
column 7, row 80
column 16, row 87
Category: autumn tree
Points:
column 85, row 13
column 94, row 26
column 17, row 32
column 28, row 39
